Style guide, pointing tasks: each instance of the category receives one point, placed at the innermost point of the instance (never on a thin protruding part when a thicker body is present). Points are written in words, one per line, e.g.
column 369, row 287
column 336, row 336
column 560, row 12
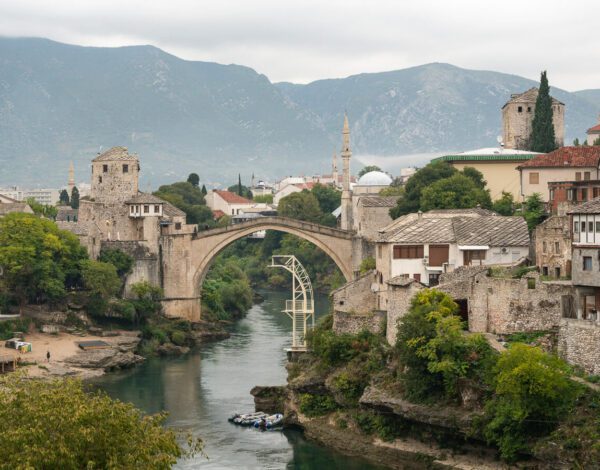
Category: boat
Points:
column 247, row 419
column 269, row 422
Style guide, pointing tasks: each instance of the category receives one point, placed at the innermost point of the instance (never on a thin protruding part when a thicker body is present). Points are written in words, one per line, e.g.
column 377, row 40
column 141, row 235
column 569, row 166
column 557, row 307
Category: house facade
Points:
column 581, row 163
column 227, row 202
column 553, row 247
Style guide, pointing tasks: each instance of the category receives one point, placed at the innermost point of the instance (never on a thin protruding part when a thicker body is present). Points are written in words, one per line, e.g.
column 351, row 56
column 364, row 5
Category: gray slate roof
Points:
column 424, row 230
column 145, row 198
column 467, row 212
column 590, row 207
column 378, row 201
column 171, row 211
column 116, row 154
column 8, row 207
column 401, row 281
column 492, row 231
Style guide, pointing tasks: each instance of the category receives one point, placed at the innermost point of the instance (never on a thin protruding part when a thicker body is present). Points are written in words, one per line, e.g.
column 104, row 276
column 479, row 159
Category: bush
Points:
column 366, row 265
column 178, row 338
column 386, row 427
column 100, row 278
column 124, row 309
column 350, row 385
column 8, row 328
column 533, row 392
column 317, row 405
column 119, row 259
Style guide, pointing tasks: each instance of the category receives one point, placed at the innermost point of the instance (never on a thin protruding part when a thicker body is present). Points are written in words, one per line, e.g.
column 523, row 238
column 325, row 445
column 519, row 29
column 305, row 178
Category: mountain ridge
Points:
column 64, row 102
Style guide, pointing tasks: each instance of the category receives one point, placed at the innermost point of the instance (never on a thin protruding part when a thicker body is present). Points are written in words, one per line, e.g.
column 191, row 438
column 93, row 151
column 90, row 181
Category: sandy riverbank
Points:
column 66, row 357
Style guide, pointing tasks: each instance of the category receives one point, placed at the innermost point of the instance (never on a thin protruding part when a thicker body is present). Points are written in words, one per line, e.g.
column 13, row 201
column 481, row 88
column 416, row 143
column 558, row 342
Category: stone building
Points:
column 553, row 247
column 371, row 213
column 565, row 164
column 517, row 119
column 9, row 205
column 564, row 195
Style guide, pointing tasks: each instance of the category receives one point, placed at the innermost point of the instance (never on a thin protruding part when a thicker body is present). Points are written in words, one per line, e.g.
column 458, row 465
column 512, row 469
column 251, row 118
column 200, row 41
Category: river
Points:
column 201, row 389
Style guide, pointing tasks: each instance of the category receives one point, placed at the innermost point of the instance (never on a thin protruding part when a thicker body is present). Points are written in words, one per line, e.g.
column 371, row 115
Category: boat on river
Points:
column 269, row 422
column 247, row 419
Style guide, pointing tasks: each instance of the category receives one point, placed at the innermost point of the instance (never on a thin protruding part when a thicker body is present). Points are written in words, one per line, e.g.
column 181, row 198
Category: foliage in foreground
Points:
column 58, row 425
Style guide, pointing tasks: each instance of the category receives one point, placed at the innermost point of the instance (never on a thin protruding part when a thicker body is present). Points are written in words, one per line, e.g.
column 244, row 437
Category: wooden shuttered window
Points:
column 438, row 254
column 408, row 251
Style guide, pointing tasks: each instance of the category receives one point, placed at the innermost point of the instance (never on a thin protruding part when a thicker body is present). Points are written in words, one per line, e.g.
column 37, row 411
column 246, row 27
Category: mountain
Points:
column 62, row 102
column 592, row 96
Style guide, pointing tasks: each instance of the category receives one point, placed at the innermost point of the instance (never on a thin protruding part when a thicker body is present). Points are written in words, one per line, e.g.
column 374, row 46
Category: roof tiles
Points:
column 581, row 156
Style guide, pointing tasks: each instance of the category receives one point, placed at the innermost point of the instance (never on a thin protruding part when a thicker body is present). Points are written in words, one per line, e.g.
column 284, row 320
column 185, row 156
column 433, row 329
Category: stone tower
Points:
column 115, row 175
column 71, row 183
column 334, row 170
column 346, row 194
column 517, row 119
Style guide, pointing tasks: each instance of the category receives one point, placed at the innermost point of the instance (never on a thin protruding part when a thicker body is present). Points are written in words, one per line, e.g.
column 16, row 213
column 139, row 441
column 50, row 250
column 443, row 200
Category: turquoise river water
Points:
column 201, row 389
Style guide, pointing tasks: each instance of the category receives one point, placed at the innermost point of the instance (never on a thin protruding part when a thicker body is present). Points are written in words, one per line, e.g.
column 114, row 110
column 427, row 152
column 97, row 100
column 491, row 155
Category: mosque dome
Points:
column 375, row 178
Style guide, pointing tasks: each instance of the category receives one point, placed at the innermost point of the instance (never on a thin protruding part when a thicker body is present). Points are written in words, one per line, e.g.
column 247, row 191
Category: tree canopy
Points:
column 100, row 278
column 542, row 128
column 63, row 198
column 302, row 205
column 193, row 179
column 75, row 198
column 37, row 258
column 441, row 186
column 505, row 205
column 189, row 199
column 56, row 424
column 368, row 169
column 328, row 197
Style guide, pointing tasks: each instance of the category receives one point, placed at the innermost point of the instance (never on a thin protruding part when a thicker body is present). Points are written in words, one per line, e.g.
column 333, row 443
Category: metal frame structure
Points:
column 301, row 308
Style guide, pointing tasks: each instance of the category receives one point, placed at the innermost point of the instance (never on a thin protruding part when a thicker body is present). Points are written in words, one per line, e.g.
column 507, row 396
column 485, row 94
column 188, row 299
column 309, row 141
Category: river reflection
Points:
column 203, row 388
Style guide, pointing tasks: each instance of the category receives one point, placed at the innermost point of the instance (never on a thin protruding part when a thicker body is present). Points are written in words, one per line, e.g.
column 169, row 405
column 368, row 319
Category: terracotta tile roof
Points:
column 115, row 153
column 581, row 156
column 594, row 130
column 307, row 186
column 232, row 198
column 590, row 207
column 218, row 214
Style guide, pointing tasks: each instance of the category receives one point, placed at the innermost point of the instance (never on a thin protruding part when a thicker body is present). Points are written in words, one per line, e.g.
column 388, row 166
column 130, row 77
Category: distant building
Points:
column 499, row 167
column 553, row 247
column 517, row 119
column 593, row 133
column 228, row 202
column 580, row 163
column 422, row 246
column 9, row 205
column 564, row 195
column 290, row 189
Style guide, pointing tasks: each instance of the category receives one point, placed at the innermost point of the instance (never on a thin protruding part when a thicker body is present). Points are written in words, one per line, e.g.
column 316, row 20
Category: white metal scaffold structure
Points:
column 301, row 308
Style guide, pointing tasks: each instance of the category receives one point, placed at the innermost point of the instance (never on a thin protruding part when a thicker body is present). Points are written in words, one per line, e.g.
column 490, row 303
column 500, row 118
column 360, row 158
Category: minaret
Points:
column 346, row 194
column 71, row 183
column 334, row 172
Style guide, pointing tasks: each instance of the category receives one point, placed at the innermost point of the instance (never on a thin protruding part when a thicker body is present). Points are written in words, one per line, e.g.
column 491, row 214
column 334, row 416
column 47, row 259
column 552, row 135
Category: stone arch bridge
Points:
column 186, row 258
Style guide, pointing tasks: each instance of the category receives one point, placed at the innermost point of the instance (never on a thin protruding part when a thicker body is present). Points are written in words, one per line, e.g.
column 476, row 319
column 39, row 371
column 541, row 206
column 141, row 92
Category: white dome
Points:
column 375, row 178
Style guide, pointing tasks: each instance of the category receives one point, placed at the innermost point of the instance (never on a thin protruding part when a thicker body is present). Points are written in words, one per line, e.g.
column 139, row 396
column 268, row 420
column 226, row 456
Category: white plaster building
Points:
column 227, row 202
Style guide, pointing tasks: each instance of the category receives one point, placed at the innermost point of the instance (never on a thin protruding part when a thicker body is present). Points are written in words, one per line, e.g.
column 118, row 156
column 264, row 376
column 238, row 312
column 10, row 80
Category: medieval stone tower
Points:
column 517, row 119
column 346, row 194
column 115, row 176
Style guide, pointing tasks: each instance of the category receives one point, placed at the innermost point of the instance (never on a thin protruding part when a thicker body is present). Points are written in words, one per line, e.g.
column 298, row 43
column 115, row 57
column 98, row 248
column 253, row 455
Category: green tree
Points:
column 532, row 392
column 302, row 205
column 239, row 185
column 189, row 199
column 42, row 210
column 456, row 192
column 328, row 197
column 75, row 198
column 367, row 264
column 534, row 211
column 475, row 175
column 37, row 258
column 411, row 201
column 63, row 198
column 193, row 179
column 147, row 302
column 60, row 425
column 505, row 205
column 576, row 142
column 245, row 190
column 368, row 169
column 204, row 191
column 266, row 198
column 100, row 278
column 542, row 128
column 118, row 258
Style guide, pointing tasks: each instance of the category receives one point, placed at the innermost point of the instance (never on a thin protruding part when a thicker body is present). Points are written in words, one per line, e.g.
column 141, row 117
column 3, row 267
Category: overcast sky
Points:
column 301, row 41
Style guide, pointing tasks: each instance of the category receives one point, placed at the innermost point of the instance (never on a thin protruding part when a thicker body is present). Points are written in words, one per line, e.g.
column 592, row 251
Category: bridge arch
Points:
column 197, row 255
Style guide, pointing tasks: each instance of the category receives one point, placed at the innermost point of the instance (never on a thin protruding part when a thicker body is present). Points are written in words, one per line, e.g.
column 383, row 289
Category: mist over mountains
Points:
column 61, row 102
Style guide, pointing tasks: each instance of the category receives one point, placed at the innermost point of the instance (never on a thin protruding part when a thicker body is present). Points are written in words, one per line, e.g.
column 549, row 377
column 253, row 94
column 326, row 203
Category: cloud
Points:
column 306, row 40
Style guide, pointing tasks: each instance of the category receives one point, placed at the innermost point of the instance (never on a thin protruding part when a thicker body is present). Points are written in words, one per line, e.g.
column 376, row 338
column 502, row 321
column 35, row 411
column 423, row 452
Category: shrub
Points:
column 178, row 338
column 367, row 264
column 532, row 393
column 100, row 278
column 119, row 259
column 317, row 405
column 387, row 427
column 8, row 328
column 350, row 385
column 124, row 309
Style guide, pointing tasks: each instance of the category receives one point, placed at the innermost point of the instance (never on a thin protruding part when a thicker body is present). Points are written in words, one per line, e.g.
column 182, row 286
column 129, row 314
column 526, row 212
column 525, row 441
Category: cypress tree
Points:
column 542, row 129
column 63, row 198
column 204, row 191
column 75, row 198
column 239, row 185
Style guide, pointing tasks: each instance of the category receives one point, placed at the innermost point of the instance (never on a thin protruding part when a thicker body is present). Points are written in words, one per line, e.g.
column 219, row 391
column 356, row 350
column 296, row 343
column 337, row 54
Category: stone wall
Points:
column 353, row 323
column 588, row 277
column 553, row 247
column 399, row 298
column 579, row 343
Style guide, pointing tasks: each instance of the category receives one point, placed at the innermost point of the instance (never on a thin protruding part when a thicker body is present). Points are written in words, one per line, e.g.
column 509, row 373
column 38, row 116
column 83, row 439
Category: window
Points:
column 578, row 176
column 534, row 178
column 598, row 227
column 569, row 194
column 587, row 263
column 417, row 277
column 586, row 175
column 408, row 251
column 146, row 209
column 595, row 193
column 520, row 109
column 544, row 249
column 434, row 279
column 528, row 109
column 438, row 254
column 105, row 168
column 576, row 227
column 556, row 247
column 156, row 209
column 552, row 195
column 584, row 194
column 379, row 249
column 125, row 168
column 131, row 209
column 582, row 227
column 177, row 225
column 99, row 179
column 591, row 227
column 544, row 270
column 473, row 255
column 557, row 272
